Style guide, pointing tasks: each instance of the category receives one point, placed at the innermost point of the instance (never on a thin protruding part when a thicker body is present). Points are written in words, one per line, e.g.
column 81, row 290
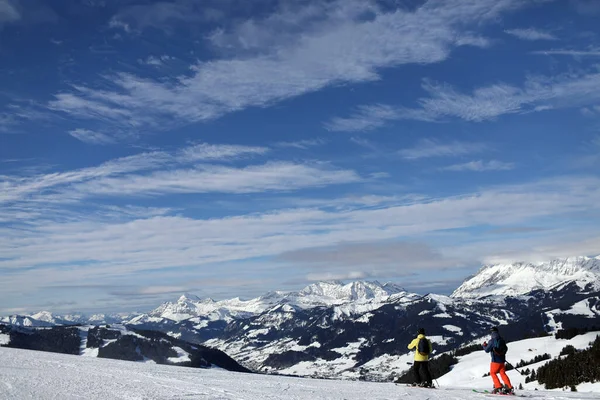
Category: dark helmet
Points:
column 494, row 329
column 421, row 331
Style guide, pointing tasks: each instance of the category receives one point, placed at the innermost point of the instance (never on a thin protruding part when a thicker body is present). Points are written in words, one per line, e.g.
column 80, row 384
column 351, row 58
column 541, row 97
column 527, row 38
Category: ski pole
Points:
column 515, row 368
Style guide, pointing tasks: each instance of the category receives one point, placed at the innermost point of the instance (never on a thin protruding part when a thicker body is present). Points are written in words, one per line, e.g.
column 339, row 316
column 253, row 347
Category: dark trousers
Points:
column 421, row 371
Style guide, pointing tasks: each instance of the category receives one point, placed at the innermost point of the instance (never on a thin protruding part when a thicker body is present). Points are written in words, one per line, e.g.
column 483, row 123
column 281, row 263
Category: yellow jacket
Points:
column 414, row 344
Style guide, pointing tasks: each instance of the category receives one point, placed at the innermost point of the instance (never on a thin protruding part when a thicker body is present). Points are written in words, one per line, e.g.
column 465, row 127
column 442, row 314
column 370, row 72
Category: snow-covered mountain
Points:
column 521, row 278
column 360, row 330
column 320, row 294
column 46, row 318
column 24, row 320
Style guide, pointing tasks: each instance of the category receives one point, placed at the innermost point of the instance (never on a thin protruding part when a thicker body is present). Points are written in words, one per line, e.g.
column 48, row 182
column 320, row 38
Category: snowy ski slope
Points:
column 42, row 376
column 470, row 369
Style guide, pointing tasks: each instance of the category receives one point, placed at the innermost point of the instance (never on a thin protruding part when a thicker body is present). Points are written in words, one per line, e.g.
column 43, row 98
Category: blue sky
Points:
column 231, row 147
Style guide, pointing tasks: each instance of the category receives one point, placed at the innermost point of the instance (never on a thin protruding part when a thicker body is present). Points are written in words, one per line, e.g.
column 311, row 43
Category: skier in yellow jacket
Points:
column 423, row 348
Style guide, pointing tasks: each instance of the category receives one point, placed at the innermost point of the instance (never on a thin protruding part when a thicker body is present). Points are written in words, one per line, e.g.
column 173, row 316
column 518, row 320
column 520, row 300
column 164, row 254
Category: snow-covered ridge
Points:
column 332, row 293
column 521, row 278
column 359, row 290
column 348, row 298
column 45, row 318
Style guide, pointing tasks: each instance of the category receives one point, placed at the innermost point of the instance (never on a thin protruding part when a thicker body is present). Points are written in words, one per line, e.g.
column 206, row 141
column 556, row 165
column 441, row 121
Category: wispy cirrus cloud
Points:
column 7, row 121
column 480, row 166
column 357, row 48
column 221, row 152
column 427, row 148
column 370, row 117
column 531, row 34
column 92, row 137
column 591, row 111
column 113, row 250
column 26, row 12
column 486, row 103
column 189, row 170
column 8, row 12
column 586, row 7
column 21, row 188
column 157, row 61
column 592, row 51
column 273, row 176
column 164, row 15
column 302, row 144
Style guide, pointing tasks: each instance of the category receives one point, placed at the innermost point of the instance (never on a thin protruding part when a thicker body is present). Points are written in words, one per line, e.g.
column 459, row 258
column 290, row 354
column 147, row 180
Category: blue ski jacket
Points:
column 496, row 358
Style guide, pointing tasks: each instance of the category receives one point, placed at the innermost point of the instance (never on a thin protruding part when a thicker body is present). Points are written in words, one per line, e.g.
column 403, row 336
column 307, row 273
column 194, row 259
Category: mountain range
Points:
column 360, row 330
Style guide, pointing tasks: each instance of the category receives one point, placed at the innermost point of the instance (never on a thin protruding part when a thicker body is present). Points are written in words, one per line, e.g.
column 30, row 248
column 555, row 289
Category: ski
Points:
column 488, row 393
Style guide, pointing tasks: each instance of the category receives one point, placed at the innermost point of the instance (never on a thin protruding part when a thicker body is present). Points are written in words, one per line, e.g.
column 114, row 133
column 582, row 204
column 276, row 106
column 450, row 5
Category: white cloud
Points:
column 370, row 117
column 591, row 51
column 88, row 136
column 7, row 122
column 105, row 250
column 74, row 185
column 368, row 256
column 161, row 290
column 208, row 152
column 480, row 166
column 586, row 7
column 485, row 103
column 155, row 61
column 273, row 176
column 27, row 12
column 8, row 12
column 591, row 111
column 162, row 15
column 561, row 244
column 432, row 148
column 302, row 144
column 333, row 50
column 364, row 143
column 531, row 34
column 340, row 276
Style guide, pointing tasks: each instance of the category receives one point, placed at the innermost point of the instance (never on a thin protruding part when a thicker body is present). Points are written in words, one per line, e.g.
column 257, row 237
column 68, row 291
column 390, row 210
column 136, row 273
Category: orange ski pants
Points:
column 499, row 368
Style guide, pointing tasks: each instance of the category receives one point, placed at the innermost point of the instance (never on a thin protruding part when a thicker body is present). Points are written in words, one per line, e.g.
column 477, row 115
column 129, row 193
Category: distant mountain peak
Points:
column 45, row 316
column 188, row 297
column 523, row 277
column 350, row 291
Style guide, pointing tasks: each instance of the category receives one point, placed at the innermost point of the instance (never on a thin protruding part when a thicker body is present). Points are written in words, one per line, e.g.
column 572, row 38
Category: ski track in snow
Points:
column 26, row 374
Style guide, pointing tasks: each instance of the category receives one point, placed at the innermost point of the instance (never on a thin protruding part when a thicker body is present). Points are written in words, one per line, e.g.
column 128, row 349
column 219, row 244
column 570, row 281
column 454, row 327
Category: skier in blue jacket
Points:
column 497, row 346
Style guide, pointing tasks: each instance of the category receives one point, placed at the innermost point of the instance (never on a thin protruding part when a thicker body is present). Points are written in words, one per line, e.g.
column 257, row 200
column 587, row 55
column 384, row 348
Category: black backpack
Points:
column 423, row 347
column 500, row 348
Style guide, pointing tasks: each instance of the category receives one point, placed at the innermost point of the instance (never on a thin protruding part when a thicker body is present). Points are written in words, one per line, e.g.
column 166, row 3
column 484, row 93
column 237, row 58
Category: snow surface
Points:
column 182, row 356
column 581, row 308
column 471, row 367
column 453, row 328
column 83, row 349
column 37, row 375
column 4, row 338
